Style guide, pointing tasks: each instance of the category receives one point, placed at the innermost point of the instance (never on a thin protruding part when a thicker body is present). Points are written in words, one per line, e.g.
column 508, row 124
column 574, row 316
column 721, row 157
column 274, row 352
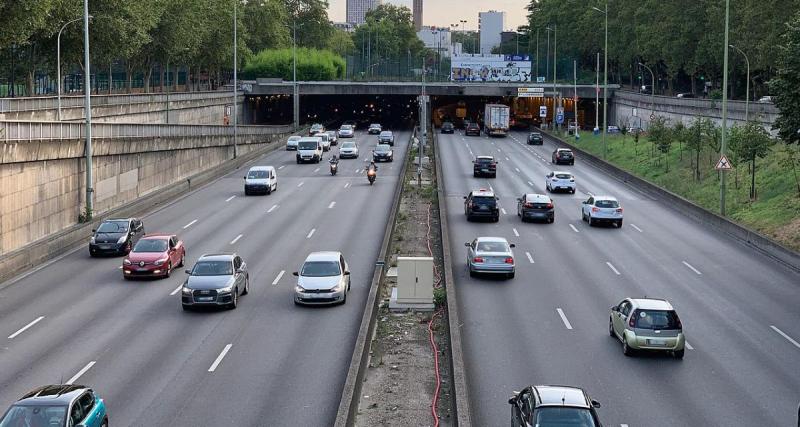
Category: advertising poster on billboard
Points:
column 490, row 68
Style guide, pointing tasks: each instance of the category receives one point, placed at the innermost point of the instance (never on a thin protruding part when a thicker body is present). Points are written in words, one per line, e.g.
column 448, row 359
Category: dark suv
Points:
column 58, row 406
column 472, row 129
column 448, row 127
column 481, row 204
column 115, row 236
column 563, row 155
column 553, row 405
column 484, row 166
column 535, row 138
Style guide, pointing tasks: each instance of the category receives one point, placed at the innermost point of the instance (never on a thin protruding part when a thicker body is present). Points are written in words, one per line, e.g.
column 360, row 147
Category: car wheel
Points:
column 589, row 220
column 186, row 307
column 626, row 350
column 246, row 193
column 128, row 247
column 344, row 298
column 551, row 219
column 511, row 275
column 269, row 191
column 105, row 423
column 611, row 329
column 572, row 163
column 183, row 260
column 169, row 270
column 246, row 286
column 496, row 218
column 298, row 161
column 678, row 354
column 619, row 224
column 234, row 299
column 572, row 191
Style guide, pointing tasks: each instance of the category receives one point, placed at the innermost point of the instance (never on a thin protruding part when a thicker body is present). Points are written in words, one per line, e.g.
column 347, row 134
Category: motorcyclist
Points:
column 333, row 159
column 372, row 166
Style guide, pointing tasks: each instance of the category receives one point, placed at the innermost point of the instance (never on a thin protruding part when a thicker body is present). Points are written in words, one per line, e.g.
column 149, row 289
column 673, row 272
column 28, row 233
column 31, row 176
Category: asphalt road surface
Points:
column 267, row 363
column 549, row 325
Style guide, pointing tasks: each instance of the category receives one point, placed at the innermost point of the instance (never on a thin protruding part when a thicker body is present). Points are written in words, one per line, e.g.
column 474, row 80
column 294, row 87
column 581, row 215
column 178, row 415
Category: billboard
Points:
column 490, row 68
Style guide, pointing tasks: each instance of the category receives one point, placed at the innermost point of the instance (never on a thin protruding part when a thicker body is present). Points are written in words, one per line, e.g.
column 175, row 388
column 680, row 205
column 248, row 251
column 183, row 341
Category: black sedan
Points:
column 382, row 153
column 447, row 127
column 473, row 129
column 115, row 236
column 535, row 138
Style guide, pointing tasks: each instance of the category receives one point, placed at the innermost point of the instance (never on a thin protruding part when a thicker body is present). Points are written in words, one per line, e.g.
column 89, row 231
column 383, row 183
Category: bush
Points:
column 312, row 65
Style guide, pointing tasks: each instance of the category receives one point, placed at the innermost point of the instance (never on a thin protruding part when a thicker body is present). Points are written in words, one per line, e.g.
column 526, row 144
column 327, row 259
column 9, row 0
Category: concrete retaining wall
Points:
column 754, row 239
column 43, row 191
column 634, row 109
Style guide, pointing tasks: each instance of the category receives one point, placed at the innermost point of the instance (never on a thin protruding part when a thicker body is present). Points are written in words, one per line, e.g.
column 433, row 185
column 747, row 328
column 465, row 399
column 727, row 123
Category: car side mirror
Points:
column 596, row 404
column 295, row 274
column 346, row 273
column 95, row 230
column 465, row 198
column 187, row 271
column 244, row 177
column 614, row 308
column 513, row 245
column 583, row 202
column 512, row 400
column 467, row 244
column 519, row 199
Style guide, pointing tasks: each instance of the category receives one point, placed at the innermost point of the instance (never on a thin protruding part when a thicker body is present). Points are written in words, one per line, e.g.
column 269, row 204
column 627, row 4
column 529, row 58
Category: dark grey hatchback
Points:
column 115, row 236
column 215, row 280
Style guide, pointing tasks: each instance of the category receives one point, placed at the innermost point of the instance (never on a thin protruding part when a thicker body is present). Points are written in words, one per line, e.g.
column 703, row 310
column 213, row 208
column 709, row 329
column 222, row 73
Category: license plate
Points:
column 657, row 342
column 484, row 170
column 141, row 269
column 205, row 299
column 105, row 247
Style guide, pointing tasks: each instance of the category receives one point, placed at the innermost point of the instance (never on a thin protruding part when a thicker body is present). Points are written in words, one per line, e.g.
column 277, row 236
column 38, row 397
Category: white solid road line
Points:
column 189, row 224
column 278, row 279
column 272, row 208
column 796, row 344
column 503, row 210
column 637, row 228
column 301, row 183
column 219, row 358
column 692, row 268
column 178, row 289
column 331, row 205
column 26, row 327
column 311, row 233
column 574, row 229
column 611, row 266
column 81, row 372
column 564, row 318
column 530, row 257
column 233, row 242
column 230, row 198
column 516, row 233
column 623, row 425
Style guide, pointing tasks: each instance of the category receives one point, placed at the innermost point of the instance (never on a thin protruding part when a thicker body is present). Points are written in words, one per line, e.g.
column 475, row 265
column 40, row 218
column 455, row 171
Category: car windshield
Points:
column 565, row 152
column 34, row 415
column 259, row 174
column 374, row 125
column 346, row 127
column 447, row 125
column 607, row 204
column 492, row 247
column 656, row 319
column 563, row 176
column 382, row 148
column 151, row 245
column 349, row 144
column 308, row 145
column 535, row 135
column 294, row 138
column 320, row 269
column 484, row 160
column 212, row 268
column 563, row 417
column 316, row 127
column 113, row 227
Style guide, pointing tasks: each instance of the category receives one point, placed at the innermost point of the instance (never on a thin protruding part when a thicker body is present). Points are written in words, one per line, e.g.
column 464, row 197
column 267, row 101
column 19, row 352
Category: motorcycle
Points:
column 371, row 174
column 334, row 167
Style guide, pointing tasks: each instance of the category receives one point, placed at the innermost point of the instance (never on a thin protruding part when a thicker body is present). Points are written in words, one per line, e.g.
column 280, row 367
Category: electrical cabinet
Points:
column 414, row 280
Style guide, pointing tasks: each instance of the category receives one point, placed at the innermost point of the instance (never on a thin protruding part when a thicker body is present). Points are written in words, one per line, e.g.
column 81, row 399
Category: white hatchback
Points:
column 558, row 180
column 601, row 209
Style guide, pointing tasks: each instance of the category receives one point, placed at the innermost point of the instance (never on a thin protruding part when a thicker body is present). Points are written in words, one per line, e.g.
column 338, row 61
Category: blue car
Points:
column 57, row 405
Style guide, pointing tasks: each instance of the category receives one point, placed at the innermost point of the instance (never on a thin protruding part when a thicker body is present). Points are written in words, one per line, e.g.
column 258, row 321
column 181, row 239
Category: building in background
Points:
column 437, row 39
column 417, row 15
column 344, row 26
column 357, row 10
column 491, row 24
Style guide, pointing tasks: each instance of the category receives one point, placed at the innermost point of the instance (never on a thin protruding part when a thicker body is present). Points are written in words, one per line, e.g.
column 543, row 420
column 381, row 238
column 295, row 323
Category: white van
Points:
column 326, row 140
column 260, row 179
column 309, row 149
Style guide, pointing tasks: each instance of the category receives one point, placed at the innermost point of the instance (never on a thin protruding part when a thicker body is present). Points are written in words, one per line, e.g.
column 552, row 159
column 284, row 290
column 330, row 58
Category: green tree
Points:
column 311, row 18
column 341, row 43
column 312, row 65
column 754, row 142
column 786, row 83
column 661, row 137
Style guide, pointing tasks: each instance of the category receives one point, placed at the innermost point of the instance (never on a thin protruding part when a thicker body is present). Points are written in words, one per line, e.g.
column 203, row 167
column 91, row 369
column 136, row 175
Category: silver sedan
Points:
column 492, row 255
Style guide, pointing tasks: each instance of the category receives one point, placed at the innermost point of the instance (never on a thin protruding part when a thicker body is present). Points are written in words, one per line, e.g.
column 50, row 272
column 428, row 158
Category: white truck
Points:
column 496, row 119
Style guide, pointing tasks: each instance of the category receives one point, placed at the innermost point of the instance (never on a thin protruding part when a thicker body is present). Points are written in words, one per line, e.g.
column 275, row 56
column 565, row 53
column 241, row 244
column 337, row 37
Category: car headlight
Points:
column 91, row 240
column 226, row 290
column 160, row 262
column 126, row 261
column 337, row 288
column 186, row 290
column 122, row 239
column 299, row 289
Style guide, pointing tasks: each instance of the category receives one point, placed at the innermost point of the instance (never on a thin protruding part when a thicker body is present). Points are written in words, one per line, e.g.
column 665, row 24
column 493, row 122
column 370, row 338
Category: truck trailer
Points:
column 496, row 119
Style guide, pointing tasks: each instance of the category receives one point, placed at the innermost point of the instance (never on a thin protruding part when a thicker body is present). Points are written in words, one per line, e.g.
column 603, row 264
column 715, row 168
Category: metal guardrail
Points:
column 71, row 101
column 27, row 131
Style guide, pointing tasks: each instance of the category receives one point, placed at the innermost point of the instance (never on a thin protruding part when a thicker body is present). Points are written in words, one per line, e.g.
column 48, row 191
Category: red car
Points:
column 155, row 255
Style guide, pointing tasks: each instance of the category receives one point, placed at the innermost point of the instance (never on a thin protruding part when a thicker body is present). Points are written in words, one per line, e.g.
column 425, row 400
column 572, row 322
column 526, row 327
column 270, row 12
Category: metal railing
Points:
column 51, row 102
column 27, row 131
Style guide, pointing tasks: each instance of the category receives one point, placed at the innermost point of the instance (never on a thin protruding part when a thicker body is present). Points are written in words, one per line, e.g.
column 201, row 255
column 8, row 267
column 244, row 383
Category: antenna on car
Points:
column 563, row 399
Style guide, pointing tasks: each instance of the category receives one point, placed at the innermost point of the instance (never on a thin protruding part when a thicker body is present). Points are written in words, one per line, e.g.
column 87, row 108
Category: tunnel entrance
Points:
column 393, row 111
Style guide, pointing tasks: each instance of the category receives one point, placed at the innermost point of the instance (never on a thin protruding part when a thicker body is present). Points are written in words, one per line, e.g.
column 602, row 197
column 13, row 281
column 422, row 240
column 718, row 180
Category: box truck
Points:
column 495, row 120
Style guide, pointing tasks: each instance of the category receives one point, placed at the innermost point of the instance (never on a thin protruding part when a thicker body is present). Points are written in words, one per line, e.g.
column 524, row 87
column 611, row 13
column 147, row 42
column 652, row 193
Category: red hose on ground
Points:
column 436, row 362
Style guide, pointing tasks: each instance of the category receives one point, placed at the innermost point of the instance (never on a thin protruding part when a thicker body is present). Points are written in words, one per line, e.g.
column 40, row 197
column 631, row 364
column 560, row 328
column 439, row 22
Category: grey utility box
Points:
column 414, row 280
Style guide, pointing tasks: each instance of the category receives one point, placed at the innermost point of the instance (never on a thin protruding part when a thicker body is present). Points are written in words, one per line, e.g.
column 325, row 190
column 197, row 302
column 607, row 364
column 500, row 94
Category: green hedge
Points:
column 312, row 65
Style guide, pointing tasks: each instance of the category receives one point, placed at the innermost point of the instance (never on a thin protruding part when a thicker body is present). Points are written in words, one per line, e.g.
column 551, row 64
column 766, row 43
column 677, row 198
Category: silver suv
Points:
column 647, row 324
column 553, row 405
column 215, row 280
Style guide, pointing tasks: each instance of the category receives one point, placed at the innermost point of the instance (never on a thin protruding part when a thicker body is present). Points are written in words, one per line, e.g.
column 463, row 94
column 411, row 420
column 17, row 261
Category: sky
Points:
column 442, row 13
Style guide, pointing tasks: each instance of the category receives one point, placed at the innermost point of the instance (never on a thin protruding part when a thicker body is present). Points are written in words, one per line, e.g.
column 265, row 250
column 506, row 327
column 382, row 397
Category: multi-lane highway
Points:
column 549, row 324
column 267, row 363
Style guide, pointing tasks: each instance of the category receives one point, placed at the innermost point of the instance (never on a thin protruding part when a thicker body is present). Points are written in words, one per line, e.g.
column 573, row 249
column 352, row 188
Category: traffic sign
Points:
column 723, row 164
column 530, row 92
column 542, row 111
column 539, row 79
column 560, row 118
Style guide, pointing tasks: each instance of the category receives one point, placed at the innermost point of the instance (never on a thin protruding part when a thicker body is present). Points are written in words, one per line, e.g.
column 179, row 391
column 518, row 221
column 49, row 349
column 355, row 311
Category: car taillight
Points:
column 594, row 209
column 632, row 320
column 528, row 205
column 619, row 210
column 509, row 260
column 477, row 259
column 678, row 319
column 549, row 206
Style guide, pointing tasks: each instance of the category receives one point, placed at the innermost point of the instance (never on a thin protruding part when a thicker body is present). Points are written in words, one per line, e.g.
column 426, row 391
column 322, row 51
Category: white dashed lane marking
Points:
column 692, row 268
column 783, row 334
column 230, row 198
column 25, row 328
column 611, row 266
column 564, row 318
column 278, row 278
column 530, row 257
column 233, row 242
column 81, row 372
column 189, row 224
column 219, row 358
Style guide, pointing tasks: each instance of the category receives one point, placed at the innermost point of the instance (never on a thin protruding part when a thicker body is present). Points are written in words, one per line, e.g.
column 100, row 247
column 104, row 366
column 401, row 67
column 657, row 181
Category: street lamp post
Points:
column 58, row 62
column 747, row 84
column 235, row 82
column 295, row 91
column 547, row 72
column 652, row 91
column 87, row 107
column 605, row 80
column 555, row 66
column 724, row 109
